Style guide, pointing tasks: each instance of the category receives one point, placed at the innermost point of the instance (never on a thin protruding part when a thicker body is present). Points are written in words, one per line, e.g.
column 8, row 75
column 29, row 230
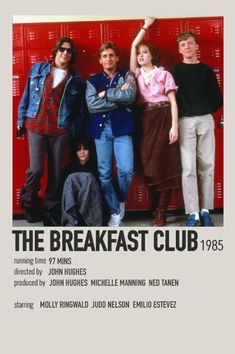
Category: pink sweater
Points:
column 158, row 87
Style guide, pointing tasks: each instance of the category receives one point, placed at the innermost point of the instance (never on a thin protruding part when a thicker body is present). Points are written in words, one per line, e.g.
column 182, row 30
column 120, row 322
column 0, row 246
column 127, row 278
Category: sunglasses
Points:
column 63, row 49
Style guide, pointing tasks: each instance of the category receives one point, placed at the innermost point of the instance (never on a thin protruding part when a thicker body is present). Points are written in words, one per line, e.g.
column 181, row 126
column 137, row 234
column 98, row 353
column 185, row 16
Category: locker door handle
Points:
column 221, row 122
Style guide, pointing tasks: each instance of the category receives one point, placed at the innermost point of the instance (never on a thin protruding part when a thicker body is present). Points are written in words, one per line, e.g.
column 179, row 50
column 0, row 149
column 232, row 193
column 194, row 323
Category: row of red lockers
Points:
column 33, row 42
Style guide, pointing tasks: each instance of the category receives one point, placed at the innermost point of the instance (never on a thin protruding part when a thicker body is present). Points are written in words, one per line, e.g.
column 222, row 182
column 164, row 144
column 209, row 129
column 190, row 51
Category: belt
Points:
column 152, row 105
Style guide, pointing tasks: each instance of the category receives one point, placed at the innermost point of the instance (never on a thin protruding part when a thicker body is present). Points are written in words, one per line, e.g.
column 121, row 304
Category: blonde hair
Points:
column 183, row 36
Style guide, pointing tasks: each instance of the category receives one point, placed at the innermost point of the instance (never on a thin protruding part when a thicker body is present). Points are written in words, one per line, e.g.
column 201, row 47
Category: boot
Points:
column 33, row 210
column 160, row 215
column 52, row 217
column 33, row 215
column 155, row 195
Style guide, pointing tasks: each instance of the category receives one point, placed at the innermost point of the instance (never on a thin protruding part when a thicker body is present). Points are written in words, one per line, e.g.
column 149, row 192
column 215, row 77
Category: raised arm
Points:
column 133, row 58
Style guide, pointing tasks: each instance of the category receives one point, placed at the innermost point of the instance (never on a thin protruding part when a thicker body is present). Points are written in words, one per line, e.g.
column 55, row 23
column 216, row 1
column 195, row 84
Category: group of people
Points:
column 97, row 122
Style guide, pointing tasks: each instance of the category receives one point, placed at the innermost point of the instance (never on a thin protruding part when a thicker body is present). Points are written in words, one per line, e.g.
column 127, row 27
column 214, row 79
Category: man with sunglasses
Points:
column 51, row 109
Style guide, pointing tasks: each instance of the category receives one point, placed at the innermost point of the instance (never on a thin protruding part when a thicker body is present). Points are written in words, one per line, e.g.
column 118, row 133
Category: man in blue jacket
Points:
column 51, row 107
column 109, row 97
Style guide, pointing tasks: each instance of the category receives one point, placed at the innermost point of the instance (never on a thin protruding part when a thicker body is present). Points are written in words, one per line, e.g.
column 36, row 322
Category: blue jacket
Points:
column 116, row 105
column 71, row 113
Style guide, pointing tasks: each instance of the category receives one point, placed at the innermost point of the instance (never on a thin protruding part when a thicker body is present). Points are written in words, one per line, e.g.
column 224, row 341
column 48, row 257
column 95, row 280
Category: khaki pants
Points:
column 197, row 147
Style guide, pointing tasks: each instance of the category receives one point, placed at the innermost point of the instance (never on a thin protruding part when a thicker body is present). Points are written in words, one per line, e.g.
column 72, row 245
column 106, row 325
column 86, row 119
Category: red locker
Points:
column 122, row 33
column 87, row 37
column 19, row 145
column 33, row 42
column 208, row 30
column 42, row 35
column 165, row 31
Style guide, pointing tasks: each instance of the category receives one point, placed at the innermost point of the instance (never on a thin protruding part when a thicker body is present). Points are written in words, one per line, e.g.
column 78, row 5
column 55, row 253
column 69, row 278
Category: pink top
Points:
column 156, row 90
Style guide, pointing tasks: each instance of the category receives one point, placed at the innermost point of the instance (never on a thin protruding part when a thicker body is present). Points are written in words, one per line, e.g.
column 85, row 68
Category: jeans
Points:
column 122, row 148
column 41, row 146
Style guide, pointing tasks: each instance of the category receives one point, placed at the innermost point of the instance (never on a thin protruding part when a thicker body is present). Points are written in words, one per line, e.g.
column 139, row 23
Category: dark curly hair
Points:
column 59, row 43
column 152, row 48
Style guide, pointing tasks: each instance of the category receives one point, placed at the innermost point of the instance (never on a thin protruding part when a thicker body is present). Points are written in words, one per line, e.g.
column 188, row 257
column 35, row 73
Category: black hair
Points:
column 76, row 145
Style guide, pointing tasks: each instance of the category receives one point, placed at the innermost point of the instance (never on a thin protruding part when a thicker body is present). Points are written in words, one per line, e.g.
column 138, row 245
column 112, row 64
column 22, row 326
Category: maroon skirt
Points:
column 160, row 161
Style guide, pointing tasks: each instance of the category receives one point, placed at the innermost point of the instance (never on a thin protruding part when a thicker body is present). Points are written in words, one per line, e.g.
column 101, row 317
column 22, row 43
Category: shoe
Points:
column 32, row 215
column 159, row 215
column 192, row 221
column 206, row 219
column 52, row 217
column 122, row 210
column 160, row 218
column 49, row 220
column 115, row 220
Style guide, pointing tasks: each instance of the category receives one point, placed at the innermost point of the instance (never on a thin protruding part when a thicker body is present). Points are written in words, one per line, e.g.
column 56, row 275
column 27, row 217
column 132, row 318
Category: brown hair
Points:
column 59, row 43
column 183, row 36
column 108, row 45
column 152, row 48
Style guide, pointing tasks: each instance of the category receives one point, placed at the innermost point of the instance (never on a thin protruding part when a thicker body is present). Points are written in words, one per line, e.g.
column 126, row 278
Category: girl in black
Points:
column 81, row 203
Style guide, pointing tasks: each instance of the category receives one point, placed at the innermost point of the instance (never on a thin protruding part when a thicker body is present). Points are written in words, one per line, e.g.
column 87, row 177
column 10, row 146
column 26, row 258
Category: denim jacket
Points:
column 115, row 106
column 71, row 110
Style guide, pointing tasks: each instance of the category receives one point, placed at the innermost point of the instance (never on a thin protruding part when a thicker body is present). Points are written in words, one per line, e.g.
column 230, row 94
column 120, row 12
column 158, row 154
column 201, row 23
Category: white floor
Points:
column 140, row 219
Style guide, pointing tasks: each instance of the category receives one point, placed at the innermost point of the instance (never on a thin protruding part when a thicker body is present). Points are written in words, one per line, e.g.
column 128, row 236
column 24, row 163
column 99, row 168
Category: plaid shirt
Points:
column 45, row 122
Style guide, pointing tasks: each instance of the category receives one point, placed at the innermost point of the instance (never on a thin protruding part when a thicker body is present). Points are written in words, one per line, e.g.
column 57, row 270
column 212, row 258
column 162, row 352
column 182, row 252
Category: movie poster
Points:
column 131, row 289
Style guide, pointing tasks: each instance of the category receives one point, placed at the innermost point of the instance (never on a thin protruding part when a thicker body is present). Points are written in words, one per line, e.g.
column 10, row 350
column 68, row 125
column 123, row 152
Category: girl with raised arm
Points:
column 159, row 150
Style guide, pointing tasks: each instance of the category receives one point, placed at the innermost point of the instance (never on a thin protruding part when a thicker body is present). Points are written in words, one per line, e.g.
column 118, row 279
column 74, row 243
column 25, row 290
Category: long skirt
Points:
column 81, row 200
column 160, row 161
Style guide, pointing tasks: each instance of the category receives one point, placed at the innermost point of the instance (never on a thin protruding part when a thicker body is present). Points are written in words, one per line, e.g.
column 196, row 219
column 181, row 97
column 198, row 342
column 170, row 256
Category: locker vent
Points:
column 216, row 53
column 74, row 34
column 16, row 60
column 16, row 91
column 139, row 193
column 34, row 59
column 18, row 198
column 199, row 54
column 132, row 32
column 33, row 36
column 174, row 31
column 92, row 34
column 218, row 190
column 217, row 73
column 197, row 30
column 115, row 33
column 156, row 32
column 16, row 36
column 53, row 35
column 40, row 194
column 216, row 29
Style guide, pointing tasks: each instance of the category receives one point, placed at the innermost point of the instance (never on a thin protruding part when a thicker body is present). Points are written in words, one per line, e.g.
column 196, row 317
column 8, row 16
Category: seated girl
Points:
column 81, row 203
